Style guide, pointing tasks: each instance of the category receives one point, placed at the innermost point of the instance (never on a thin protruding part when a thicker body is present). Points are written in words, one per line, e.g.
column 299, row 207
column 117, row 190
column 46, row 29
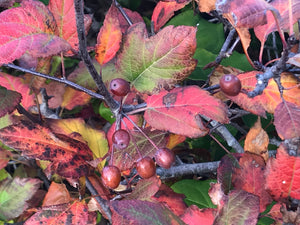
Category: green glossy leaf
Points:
column 237, row 60
column 106, row 113
column 13, row 196
column 196, row 192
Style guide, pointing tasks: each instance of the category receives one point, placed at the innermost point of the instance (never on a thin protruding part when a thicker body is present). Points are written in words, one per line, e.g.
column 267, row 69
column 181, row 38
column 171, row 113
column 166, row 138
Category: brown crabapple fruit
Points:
column 146, row 167
column 121, row 139
column 230, row 84
column 119, row 87
column 111, row 176
column 164, row 157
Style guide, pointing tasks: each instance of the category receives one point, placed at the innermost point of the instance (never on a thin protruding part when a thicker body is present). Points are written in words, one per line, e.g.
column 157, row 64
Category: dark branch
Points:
column 114, row 105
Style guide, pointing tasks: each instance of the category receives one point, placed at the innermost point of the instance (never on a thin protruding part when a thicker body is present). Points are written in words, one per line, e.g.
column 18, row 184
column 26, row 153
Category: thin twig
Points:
column 102, row 202
column 113, row 105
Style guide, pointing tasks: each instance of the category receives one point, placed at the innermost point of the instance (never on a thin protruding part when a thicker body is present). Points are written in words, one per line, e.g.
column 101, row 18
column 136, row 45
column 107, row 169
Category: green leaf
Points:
column 106, row 113
column 196, row 192
column 237, row 60
column 159, row 61
column 13, row 196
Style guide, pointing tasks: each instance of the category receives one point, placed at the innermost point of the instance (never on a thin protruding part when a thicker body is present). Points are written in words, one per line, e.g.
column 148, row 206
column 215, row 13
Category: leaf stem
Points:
column 113, row 105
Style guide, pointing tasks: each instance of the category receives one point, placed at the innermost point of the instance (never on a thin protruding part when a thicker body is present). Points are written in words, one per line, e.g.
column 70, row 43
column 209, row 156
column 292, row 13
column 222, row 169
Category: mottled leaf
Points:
column 250, row 177
column 270, row 97
column 68, row 155
column 240, row 208
column 28, row 28
column 145, row 189
column 257, row 140
column 174, row 201
column 193, row 216
column 13, row 196
column 287, row 120
column 17, row 84
column 151, row 63
column 76, row 213
column 283, row 176
column 109, row 37
column 143, row 212
column 163, row 11
column 8, row 101
column 178, row 111
column 64, row 14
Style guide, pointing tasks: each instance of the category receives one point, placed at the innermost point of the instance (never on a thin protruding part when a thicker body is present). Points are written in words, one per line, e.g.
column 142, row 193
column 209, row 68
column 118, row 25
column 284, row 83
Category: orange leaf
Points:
column 287, row 120
column 57, row 194
column 257, row 141
column 178, row 111
column 270, row 97
column 206, row 5
column 28, row 28
column 109, row 37
column 17, row 84
column 283, row 175
column 163, row 11
column 73, row 98
column 68, row 156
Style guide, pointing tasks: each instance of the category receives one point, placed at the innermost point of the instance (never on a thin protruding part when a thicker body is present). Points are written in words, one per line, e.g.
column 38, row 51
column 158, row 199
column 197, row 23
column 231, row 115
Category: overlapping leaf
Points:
column 76, row 213
column 109, row 37
column 57, row 194
column 283, row 176
column 8, row 100
column 159, row 61
column 30, row 28
column 13, row 196
column 143, row 212
column 64, row 14
column 17, row 84
column 250, row 177
column 68, row 155
column 73, row 98
column 270, row 97
column 178, row 111
column 287, row 120
column 163, row 11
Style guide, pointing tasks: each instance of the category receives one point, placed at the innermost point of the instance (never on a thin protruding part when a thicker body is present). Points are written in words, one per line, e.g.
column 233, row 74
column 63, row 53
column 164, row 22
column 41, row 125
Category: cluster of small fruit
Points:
column 145, row 166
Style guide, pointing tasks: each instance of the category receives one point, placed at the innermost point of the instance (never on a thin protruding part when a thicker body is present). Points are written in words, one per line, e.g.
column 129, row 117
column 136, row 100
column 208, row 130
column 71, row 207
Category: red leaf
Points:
column 17, row 84
column 64, row 14
column 178, row 111
column 194, row 216
column 163, row 11
column 283, row 175
column 76, row 213
column 250, row 177
column 134, row 17
column 68, row 156
column 287, row 120
column 8, row 101
column 143, row 212
column 109, row 37
column 28, row 28
column 171, row 199
column 4, row 157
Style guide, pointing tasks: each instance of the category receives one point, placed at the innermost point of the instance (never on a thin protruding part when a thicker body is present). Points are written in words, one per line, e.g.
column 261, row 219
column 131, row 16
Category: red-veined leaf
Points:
column 250, row 177
column 30, row 28
column 109, row 37
column 156, row 62
column 17, row 84
column 8, row 101
column 144, row 212
column 287, row 120
column 76, row 213
column 283, row 176
column 270, row 97
column 178, row 111
column 163, row 11
column 14, row 194
column 64, row 14
column 68, row 155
